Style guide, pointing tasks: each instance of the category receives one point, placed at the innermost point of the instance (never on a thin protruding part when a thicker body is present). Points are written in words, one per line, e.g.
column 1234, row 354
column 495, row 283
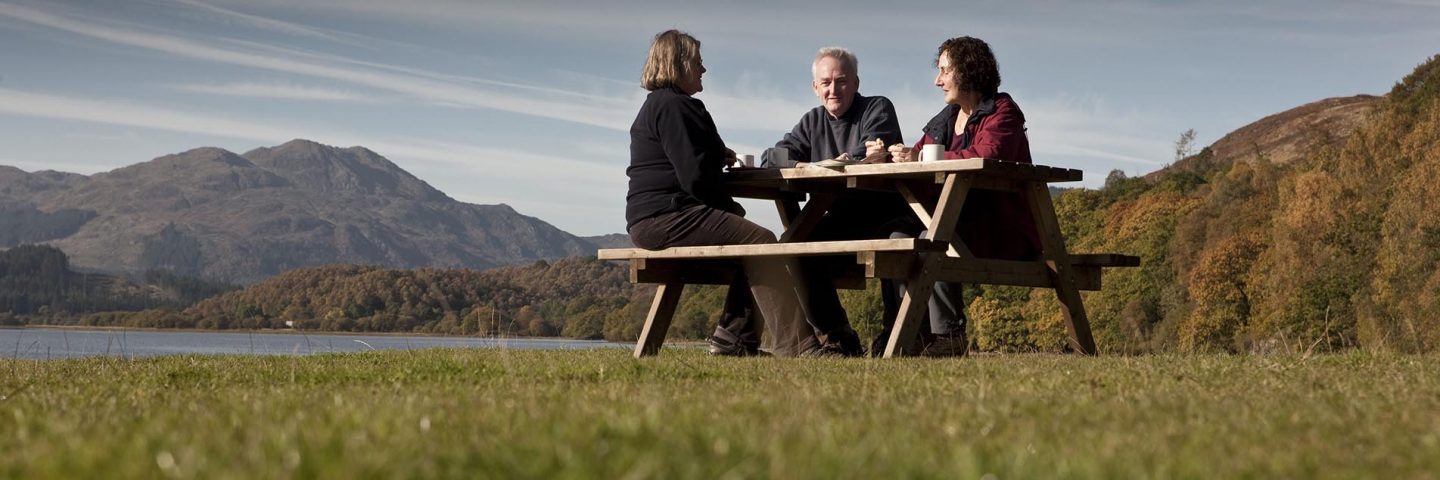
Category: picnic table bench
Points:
column 936, row 193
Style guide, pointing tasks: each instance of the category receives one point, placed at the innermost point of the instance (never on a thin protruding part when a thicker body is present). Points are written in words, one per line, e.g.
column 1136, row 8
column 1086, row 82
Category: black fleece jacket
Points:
column 676, row 158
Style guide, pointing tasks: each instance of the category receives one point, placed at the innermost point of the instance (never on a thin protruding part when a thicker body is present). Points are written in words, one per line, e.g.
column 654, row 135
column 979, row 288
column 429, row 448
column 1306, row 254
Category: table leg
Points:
column 913, row 306
column 789, row 210
column 940, row 226
column 657, row 323
column 947, row 208
column 800, row 225
column 1077, row 324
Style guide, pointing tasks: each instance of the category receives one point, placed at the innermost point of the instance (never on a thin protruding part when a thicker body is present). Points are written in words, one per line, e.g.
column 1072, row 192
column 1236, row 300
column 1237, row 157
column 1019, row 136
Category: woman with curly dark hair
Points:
column 978, row 121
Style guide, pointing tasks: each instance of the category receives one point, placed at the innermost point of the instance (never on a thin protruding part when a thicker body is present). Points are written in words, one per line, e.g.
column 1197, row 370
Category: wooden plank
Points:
column 657, row 323
column 1077, row 324
column 773, row 249
column 998, row 168
column 891, row 265
column 1104, row 260
column 917, row 204
column 1000, row 184
column 763, row 193
column 1087, row 277
column 947, row 209
column 692, row 272
column 718, row 272
column 788, row 209
column 913, row 305
column 1035, row 274
column 802, row 225
column 869, row 183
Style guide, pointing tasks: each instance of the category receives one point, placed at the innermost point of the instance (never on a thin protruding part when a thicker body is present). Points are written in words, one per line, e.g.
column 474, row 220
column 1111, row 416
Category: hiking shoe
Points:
column 723, row 348
column 824, row 351
column 846, row 343
column 877, row 346
column 947, row 345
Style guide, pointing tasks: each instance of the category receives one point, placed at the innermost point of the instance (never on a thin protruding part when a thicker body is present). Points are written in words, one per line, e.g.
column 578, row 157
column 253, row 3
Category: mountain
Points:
column 213, row 214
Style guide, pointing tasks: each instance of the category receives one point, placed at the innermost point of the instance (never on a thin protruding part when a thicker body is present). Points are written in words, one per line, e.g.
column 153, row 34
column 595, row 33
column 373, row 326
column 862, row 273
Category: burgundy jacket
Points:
column 994, row 224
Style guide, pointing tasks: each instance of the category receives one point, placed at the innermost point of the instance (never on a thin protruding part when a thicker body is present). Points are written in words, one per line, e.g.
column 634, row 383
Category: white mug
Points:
column 931, row 152
column 747, row 160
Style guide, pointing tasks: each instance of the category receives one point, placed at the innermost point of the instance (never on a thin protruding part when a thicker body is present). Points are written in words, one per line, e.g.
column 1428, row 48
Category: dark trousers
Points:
column 858, row 216
column 700, row 225
column 946, row 308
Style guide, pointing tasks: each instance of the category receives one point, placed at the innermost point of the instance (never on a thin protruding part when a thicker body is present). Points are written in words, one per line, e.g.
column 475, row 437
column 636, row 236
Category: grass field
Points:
column 601, row 414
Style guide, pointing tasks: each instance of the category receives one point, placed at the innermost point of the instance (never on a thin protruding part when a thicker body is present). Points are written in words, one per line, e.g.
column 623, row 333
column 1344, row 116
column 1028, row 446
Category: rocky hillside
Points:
column 213, row 214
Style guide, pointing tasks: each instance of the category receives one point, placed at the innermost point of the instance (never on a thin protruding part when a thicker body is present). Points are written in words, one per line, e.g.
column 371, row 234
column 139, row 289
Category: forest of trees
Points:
column 36, row 283
column 577, row 298
column 1338, row 249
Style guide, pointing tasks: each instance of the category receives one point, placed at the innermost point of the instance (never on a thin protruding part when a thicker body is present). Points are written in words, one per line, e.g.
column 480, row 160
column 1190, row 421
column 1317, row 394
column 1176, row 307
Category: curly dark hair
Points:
column 975, row 67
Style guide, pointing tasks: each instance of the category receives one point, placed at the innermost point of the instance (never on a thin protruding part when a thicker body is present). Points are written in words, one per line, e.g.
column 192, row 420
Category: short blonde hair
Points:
column 669, row 60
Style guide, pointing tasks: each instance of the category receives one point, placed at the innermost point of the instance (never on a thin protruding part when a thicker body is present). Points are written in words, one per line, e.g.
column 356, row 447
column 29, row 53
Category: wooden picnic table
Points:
column 936, row 192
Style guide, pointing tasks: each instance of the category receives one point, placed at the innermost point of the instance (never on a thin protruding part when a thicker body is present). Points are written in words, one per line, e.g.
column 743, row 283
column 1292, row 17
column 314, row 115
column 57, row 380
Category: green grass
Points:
column 601, row 414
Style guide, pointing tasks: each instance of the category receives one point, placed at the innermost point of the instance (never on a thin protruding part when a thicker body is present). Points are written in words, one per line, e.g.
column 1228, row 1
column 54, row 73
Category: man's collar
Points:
column 851, row 114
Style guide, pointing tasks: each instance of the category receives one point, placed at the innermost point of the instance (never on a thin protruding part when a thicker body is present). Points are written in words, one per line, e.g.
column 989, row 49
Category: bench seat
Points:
column 887, row 258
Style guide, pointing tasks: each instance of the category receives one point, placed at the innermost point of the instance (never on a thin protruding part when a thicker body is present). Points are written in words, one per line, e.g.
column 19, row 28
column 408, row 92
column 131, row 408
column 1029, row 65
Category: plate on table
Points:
column 835, row 163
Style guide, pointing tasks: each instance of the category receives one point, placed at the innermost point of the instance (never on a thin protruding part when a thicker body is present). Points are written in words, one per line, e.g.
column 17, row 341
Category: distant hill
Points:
column 213, row 214
column 1286, row 136
column 614, row 240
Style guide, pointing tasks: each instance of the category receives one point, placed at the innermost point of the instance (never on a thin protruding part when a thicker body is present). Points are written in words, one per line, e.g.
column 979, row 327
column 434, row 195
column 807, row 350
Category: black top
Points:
column 676, row 158
column 818, row 136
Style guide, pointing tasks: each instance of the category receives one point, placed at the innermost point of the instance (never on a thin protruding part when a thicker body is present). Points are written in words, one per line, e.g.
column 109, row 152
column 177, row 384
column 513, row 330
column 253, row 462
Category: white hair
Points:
column 847, row 60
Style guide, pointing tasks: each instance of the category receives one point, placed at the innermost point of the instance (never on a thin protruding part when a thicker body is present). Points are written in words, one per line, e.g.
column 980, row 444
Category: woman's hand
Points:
column 899, row 153
column 730, row 158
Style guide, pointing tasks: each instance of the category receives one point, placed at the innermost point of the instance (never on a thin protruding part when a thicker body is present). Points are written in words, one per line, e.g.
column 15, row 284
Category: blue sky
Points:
column 529, row 103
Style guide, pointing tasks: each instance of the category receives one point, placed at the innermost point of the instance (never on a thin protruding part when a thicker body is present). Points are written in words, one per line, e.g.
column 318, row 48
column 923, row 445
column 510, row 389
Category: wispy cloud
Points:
column 739, row 107
column 287, row 91
column 273, row 25
column 605, row 112
column 503, row 163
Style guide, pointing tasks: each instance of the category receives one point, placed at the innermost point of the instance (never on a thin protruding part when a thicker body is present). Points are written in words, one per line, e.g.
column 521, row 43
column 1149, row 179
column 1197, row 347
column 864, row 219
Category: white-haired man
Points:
column 844, row 123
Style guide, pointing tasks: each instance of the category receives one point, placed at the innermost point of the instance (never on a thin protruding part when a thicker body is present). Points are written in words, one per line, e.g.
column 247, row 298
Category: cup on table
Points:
column 931, row 152
column 747, row 160
column 779, row 156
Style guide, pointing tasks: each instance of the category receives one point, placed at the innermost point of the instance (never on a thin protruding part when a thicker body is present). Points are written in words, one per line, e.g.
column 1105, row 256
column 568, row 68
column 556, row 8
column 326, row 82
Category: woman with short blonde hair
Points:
column 669, row 60
column 676, row 199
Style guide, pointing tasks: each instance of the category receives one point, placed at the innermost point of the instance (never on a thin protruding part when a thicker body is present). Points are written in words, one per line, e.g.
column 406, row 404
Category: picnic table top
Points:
column 982, row 166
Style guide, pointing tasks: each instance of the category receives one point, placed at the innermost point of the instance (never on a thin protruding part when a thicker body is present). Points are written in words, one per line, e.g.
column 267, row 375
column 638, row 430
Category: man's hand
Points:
column 873, row 147
column 730, row 158
column 899, row 153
